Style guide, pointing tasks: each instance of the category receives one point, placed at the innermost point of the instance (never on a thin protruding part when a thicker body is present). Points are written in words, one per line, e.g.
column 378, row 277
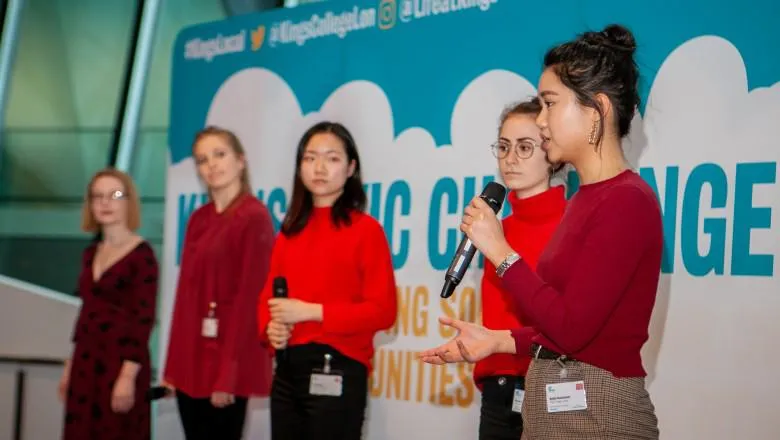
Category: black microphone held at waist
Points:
column 280, row 291
column 493, row 194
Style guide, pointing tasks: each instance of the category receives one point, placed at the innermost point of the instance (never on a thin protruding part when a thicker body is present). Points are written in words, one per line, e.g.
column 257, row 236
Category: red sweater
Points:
column 349, row 270
column 597, row 278
column 225, row 259
column 527, row 230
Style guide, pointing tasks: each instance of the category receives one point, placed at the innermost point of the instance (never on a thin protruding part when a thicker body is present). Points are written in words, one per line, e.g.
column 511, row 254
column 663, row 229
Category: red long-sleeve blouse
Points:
column 225, row 260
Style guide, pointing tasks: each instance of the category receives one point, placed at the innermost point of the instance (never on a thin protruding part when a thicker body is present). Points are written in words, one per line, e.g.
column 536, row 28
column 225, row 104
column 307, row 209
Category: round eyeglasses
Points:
column 523, row 149
column 113, row 195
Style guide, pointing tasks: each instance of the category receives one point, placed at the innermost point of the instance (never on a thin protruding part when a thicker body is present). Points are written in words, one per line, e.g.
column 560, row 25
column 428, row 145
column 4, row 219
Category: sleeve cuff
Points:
column 523, row 339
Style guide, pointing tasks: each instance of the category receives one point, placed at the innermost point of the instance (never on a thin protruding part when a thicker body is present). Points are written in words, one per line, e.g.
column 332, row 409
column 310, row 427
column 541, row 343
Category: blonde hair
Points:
column 234, row 144
column 88, row 221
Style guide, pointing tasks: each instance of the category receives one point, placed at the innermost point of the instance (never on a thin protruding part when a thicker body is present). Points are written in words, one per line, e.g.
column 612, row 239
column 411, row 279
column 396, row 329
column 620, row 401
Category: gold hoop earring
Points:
column 592, row 137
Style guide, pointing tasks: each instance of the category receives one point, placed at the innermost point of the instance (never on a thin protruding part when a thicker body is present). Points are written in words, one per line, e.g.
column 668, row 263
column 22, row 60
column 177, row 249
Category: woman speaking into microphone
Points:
column 339, row 273
column 592, row 299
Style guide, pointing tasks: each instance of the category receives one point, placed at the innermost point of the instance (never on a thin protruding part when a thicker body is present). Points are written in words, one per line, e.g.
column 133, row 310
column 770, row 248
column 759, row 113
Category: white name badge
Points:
column 326, row 385
column 567, row 396
column 517, row 400
column 209, row 327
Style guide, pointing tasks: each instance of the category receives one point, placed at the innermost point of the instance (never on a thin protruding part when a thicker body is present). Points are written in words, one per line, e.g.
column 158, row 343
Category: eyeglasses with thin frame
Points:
column 523, row 149
column 113, row 195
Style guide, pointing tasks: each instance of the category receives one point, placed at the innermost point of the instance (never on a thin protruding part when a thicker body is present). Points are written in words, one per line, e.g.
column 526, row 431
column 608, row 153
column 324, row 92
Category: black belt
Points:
column 539, row 352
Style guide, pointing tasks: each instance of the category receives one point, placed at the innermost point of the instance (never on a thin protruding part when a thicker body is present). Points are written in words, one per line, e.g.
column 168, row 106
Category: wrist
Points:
column 506, row 343
column 315, row 312
column 500, row 253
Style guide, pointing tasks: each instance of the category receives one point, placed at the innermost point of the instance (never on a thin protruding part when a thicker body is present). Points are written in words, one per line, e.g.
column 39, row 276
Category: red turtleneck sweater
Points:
column 349, row 270
column 527, row 229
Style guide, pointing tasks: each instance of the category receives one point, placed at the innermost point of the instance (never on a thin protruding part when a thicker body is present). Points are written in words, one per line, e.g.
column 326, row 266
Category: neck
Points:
column 222, row 197
column 326, row 201
column 116, row 235
column 525, row 193
column 605, row 163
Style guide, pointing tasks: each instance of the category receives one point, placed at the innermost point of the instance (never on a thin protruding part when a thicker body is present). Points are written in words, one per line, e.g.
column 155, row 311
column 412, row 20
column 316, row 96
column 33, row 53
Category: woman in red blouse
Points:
column 104, row 382
column 337, row 265
column 536, row 211
column 593, row 297
column 215, row 360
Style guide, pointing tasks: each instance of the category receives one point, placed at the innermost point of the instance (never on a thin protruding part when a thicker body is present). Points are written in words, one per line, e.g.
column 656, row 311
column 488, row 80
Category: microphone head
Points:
column 494, row 194
column 280, row 287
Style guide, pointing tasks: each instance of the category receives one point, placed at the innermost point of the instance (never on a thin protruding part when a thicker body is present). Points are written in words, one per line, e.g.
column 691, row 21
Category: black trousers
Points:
column 497, row 421
column 203, row 421
column 298, row 415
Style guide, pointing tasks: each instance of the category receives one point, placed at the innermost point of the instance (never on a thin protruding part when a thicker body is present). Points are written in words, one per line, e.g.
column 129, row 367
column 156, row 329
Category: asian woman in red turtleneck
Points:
column 339, row 272
column 536, row 211
column 592, row 295
column 215, row 360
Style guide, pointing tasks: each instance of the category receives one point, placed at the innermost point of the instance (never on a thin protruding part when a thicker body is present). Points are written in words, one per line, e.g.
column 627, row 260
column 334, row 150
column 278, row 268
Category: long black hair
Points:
column 352, row 199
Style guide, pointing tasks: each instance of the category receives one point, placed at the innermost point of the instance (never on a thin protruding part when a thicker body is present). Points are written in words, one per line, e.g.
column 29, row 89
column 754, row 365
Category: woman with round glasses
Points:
column 104, row 381
column 536, row 211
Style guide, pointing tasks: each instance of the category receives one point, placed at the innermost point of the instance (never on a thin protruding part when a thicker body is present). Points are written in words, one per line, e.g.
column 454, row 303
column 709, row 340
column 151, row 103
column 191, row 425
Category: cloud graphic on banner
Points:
column 703, row 124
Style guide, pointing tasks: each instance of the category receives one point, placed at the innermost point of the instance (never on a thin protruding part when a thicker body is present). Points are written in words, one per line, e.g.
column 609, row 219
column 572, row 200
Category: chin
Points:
column 514, row 184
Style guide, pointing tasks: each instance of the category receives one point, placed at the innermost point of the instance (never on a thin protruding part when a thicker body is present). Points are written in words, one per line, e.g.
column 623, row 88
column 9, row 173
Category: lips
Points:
column 545, row 141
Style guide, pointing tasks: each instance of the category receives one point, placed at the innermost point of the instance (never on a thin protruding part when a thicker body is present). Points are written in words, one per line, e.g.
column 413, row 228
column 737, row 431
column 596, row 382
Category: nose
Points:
column 319, row 165
column 541, row 119
column 512, row 157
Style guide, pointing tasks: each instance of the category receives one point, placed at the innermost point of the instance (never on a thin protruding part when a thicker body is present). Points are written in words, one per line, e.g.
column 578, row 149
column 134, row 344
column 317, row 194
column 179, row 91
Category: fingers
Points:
column 444, row 354
column 435, row 360
column 457, row 324
column 479, row 204
column 278, row 333
column 221, row 400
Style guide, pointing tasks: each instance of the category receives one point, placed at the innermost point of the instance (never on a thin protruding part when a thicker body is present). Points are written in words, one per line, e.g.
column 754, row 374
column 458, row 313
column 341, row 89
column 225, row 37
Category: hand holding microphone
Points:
column 278, row 332
column 483, row 227
column 483, row 231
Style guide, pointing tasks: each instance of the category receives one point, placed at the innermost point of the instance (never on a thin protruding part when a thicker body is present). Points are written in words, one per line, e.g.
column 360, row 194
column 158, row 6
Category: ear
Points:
column 352, row 165
column 604, row 105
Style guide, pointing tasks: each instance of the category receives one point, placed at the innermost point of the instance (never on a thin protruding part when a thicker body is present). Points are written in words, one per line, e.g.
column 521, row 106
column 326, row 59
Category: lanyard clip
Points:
column 326, row 367
column 212, row 308
column 564, row 373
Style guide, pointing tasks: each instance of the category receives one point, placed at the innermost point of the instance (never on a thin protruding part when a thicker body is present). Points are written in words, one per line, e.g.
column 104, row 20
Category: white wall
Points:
column 34, row 323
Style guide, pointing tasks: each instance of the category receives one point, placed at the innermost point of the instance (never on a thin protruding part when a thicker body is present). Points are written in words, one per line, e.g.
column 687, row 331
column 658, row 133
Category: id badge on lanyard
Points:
column 565, row 396
column 210, row 325
column 326, row 382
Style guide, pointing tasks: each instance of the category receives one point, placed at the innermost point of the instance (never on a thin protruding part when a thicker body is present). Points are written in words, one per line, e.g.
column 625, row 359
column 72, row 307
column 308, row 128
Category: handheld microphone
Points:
column 280, row 291
column 494, row 194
